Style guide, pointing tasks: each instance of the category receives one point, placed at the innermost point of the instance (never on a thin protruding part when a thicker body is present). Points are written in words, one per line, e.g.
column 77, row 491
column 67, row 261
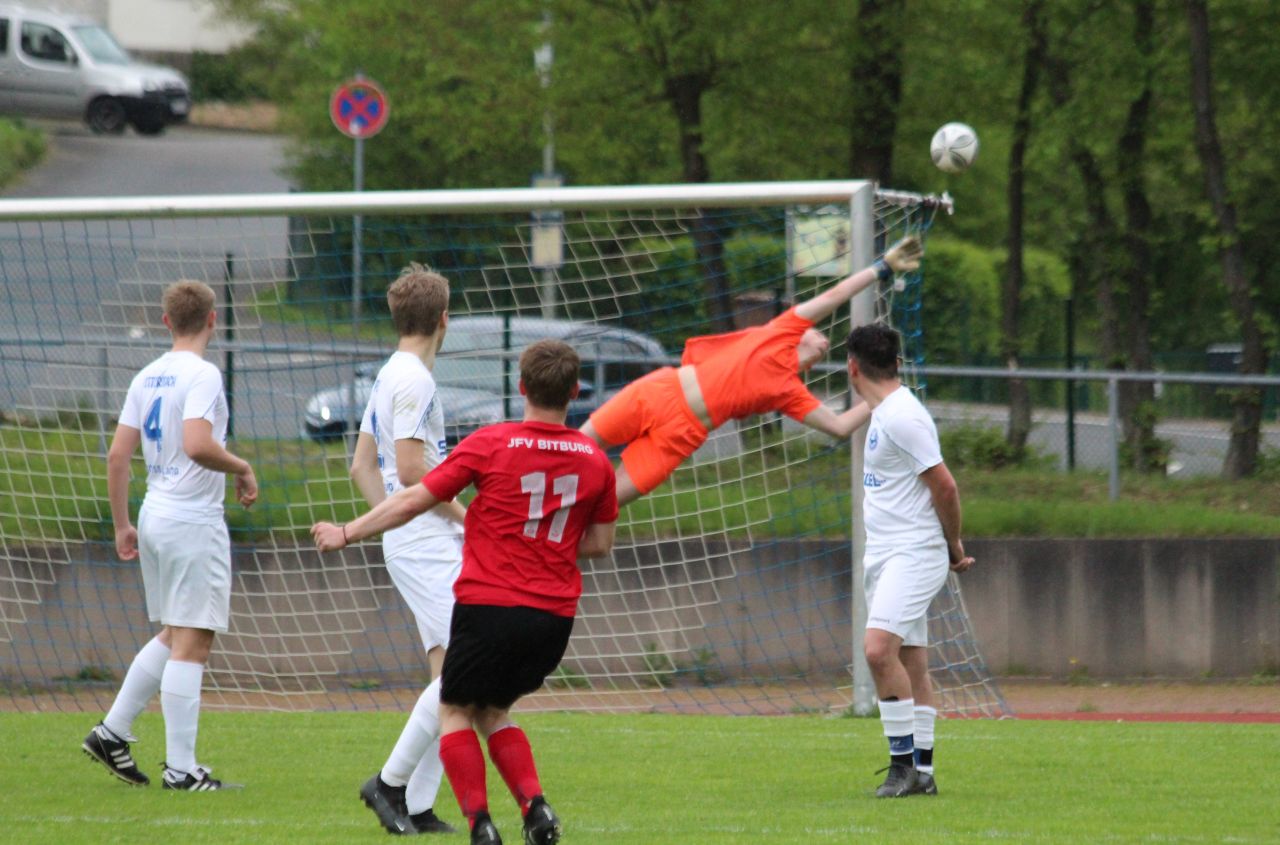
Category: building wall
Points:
column 159, row 27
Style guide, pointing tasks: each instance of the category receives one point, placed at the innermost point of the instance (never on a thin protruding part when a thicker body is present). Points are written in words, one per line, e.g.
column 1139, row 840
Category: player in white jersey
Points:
column 401, row 438
column 177, row 412
column 911, row 510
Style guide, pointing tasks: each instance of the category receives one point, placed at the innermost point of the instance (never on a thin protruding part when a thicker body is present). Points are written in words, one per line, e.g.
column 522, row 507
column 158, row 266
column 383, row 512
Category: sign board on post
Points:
column 359, row 108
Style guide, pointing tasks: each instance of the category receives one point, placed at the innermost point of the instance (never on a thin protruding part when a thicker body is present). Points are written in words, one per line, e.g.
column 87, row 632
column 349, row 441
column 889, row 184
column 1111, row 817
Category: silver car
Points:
column 61, row 66
column 472, row 369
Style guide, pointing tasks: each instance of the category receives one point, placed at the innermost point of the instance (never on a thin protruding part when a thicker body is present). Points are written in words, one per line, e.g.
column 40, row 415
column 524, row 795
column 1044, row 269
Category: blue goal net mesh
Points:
column 729, row 590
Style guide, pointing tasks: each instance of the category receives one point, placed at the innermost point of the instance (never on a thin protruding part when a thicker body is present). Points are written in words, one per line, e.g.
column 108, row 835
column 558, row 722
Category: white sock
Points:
column 925, row 717
column 420, row 795
column 898, row 719
column 180, row 701
column 141, row 683
column 416, row 740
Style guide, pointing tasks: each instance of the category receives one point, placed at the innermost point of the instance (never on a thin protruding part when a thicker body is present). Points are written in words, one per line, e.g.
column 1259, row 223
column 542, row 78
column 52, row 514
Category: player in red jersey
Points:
column 545, row 495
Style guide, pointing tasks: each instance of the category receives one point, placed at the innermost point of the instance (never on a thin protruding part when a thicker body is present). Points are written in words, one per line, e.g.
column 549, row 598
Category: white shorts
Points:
column 900, row 584
column 425, row 579
column 186, row 572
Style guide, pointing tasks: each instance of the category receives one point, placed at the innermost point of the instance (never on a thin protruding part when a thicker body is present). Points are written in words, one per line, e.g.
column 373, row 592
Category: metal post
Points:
column 861, row 310
column 506, row 365
column 228, row 276
column 1113, row 429
column 357, row 293
column 1071, row 386
column 104, row 367
column 543, row 58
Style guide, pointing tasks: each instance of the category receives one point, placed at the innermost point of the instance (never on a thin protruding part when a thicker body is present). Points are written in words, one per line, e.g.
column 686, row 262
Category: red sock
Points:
column 513, row 758
column 464, row 764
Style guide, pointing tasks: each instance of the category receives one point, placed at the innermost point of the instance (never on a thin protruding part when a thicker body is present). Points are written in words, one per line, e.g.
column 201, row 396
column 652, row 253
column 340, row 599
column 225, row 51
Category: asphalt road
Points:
column 67, row 281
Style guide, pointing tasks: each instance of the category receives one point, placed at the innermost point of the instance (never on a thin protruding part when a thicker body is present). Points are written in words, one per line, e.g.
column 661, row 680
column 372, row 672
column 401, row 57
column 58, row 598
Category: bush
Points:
column 981, row 447
column 21, row 147
column 225, row 77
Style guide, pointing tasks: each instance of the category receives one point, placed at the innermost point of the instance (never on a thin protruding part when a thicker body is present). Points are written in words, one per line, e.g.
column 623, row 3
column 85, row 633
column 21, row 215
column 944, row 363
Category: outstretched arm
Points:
column 840, row 425
column 902, row 257
column 391, row 512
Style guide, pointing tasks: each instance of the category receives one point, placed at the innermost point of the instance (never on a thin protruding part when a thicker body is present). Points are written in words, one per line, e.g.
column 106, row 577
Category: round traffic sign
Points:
column 359, row 108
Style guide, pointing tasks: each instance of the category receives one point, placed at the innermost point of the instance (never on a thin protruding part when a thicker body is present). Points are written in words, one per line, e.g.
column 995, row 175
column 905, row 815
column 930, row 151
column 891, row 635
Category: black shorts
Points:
column 497, row 654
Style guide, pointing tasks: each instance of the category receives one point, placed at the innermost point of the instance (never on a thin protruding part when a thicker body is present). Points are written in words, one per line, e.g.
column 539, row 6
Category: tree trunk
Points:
column 685, row 95
column 1242, row 450
column 1137, row 399
column 1011, row 290
column 875, row 83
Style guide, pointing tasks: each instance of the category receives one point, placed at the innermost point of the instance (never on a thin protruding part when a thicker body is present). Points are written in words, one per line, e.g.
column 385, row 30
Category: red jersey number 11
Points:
column 535, row 484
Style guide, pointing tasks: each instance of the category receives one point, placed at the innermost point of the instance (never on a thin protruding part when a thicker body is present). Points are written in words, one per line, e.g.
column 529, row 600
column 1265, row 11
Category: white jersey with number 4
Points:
column 404, row 406
column 175, row 387
column 902, row 442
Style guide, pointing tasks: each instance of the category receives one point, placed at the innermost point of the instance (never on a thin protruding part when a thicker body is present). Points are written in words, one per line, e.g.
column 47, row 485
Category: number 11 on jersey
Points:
column 535, row 484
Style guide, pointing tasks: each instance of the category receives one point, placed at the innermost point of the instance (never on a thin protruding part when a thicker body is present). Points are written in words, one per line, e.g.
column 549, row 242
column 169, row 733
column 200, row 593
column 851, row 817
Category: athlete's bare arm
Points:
column 364, row 470
column 946, row 503
column 411, row 465
column 840, row 425
column 391, row 512
column 902, row 257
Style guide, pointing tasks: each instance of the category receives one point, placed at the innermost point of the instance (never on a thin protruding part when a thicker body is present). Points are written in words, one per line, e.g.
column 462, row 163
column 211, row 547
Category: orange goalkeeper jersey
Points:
column 753, row 371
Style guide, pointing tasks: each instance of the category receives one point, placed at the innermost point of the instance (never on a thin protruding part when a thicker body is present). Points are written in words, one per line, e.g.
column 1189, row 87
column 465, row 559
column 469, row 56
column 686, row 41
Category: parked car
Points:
column 62, row 66
column 469, row 373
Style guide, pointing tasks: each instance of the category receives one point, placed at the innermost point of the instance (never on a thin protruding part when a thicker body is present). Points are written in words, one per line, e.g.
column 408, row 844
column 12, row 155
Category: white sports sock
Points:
column 898, row 719
column 424, row 785
column 180, row 701
column 420, row 732
column 925, row 717
column 141, row 682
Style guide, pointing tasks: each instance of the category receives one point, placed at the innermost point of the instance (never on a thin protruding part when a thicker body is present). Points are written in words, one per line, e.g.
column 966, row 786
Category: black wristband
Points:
column 345, row 541
column 883, row 271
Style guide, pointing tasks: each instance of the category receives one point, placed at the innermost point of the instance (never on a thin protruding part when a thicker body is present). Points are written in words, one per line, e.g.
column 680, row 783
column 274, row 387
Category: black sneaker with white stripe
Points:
column 541, row 825
column 113, row 752
column 200, row 780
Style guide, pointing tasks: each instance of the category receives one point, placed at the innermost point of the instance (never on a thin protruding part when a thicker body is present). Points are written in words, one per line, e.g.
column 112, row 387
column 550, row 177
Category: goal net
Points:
column 730, row 587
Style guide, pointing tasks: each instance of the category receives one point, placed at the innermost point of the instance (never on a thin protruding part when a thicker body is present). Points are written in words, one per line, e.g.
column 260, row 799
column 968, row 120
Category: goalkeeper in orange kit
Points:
column 665, row 416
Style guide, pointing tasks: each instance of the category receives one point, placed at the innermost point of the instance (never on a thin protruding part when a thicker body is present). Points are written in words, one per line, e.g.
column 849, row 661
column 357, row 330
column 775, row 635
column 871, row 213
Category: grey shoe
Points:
column 901, row 781
column 925, row 784
column 387, row 803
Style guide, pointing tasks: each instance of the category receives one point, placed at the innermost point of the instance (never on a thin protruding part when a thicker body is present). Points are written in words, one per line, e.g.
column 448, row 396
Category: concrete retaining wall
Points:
column 1108, row 608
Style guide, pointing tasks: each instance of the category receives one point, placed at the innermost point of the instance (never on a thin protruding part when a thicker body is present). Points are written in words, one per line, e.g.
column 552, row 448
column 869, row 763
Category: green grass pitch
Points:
column 695, row 780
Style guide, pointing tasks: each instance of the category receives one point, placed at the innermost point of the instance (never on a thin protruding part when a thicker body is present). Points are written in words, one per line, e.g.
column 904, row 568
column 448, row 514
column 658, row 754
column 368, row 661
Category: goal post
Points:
column 730, row 587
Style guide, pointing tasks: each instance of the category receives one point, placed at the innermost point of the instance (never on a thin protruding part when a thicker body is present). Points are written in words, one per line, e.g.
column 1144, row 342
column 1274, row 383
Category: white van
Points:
column 60, row 66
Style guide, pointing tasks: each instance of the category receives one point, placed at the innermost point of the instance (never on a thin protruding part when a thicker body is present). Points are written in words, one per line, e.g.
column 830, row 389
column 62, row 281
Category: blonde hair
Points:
column 187, row 304
column 549, row 371
column 418, row 300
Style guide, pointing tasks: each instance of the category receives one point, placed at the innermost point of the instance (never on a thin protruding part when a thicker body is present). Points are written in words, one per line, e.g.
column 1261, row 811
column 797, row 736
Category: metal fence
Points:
column 1076, row 415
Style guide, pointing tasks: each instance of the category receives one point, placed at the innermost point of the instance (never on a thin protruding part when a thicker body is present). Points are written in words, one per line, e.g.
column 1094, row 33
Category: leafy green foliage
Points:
column 21, row 147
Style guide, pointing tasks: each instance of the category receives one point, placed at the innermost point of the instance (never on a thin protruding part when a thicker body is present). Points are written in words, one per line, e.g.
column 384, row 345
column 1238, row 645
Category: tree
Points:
column 875, row 85
column 1242, row 449
column 1011, row 291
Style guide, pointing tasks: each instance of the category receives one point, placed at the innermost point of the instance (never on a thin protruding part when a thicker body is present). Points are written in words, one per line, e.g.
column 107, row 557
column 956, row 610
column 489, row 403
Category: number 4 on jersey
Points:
column 535, row 484
column 151, row 426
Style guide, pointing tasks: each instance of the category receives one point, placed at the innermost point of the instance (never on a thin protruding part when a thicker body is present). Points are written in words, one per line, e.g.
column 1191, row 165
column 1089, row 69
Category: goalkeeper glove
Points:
column 904, row 256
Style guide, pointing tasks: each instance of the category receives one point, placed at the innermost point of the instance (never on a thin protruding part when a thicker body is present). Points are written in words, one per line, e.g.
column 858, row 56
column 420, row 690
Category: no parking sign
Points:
column 359, row 108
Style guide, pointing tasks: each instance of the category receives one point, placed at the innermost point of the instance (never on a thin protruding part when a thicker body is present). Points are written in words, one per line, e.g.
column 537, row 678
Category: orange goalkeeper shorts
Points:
column 653, row 418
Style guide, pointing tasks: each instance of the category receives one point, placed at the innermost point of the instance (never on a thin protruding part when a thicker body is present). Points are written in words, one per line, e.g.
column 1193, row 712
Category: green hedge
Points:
column 21, row 147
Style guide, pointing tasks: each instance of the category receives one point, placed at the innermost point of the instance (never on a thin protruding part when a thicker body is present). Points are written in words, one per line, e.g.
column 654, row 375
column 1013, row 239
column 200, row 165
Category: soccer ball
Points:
column 954, row 147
